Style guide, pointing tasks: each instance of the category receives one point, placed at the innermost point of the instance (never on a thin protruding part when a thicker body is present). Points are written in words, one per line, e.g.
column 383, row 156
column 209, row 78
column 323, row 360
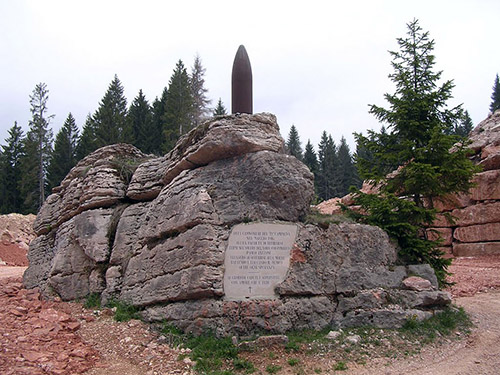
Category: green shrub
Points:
column 93, row 301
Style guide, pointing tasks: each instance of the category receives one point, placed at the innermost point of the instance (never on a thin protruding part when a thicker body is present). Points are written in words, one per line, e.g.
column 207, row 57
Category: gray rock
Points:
column 99, row 180
column 258, row 186
column 147, row 181
column 425, row 271
column 333, row 335
column 222, row 138
column 40, row 256
column 353, row 339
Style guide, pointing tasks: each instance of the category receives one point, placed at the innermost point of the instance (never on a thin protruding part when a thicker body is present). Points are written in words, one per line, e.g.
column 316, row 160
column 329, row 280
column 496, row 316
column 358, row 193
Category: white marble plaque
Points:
column 257, row 259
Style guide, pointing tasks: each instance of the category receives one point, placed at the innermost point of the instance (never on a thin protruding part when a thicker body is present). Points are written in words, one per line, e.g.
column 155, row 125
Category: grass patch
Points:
column 211, row 353
column 93, row 301
column 340, row 366
column 442, row 323
column 124, row 311
column 293, row 362
column 324, row 220
column 273, row 369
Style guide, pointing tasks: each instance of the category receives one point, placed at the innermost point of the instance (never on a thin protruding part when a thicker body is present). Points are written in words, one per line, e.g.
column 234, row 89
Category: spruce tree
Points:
column 87, row 142
column 293, row 143
column 465, row 126
column 495, row 96
column 345, row 171
column 37, row 148
column 158, row 122
column 179, row 107
column 200, row 109
column 220, row 110
column 143, row 133
column 110, row 119
column 311, row 160
column 64, row 154
column 12, row 153
column 327, row 161
column 417, row 120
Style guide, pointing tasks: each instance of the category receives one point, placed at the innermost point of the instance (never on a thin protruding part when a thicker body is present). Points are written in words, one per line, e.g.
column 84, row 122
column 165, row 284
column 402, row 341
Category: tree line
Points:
column 33, row 163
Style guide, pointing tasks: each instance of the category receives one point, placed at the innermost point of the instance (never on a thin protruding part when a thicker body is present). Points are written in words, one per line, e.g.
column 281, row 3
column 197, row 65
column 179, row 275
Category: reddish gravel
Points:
column 13, row 255
column 39, row 337
column 472, row 275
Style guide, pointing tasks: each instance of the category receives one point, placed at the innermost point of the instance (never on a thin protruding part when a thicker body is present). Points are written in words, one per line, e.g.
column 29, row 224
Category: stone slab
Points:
column 257, row 258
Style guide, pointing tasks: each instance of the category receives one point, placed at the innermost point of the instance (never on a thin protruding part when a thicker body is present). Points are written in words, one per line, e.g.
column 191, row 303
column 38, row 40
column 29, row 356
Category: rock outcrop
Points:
column 154, row 232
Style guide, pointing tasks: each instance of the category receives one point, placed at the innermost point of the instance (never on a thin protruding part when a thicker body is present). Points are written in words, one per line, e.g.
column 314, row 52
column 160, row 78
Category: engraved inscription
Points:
column 257, row 259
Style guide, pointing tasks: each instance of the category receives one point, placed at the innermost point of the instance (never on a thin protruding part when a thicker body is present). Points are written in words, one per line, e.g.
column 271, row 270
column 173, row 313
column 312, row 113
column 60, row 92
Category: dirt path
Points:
column 47, row 337
column 478, row 354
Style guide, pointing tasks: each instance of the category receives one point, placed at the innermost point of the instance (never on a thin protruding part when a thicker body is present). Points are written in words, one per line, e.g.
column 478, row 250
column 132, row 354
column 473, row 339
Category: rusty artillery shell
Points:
column 241, row 83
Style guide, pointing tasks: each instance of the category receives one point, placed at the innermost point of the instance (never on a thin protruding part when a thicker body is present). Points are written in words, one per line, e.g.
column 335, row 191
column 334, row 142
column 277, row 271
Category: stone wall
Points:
column 475, row 229
column 154, row 232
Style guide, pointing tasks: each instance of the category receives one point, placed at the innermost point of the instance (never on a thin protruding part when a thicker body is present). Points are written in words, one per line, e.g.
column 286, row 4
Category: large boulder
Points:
column 155, row 233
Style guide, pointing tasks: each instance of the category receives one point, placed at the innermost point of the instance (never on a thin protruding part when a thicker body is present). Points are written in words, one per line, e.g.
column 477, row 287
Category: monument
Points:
column 241, row 83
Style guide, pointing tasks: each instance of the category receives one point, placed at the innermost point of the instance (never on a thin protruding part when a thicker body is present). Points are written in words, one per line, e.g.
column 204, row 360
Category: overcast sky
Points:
column 316, row 64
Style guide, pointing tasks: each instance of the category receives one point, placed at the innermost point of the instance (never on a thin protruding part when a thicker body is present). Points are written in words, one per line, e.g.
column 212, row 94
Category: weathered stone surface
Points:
column 40, row 259
column 425, row 271
column 476, row 249
column 383, row 318
column 488, row 186
column 181, row 267
column 486, row 133
column 478, row 233
column 222, row 138
column 257, row 186
column 147, row 181
column 482, row 213
column 445, row 234
column 99, row 180
column 451, row 202
column 418, row 284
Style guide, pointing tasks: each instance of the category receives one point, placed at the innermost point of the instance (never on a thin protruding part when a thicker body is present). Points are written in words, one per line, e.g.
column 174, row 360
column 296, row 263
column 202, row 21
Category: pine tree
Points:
column 310, row 158
column 416, row 143
column 327, row 161
column 179, row 107
column 220, row 110
column 465, row 126
column 110, row 119
column 87, row 142
column 140, row 119
column 37, row 148
column 158, row 122
column 345, row 171
column 64, row 154
column 12, row 152
column 293, row 143
column 495, row 96
column 199, row 93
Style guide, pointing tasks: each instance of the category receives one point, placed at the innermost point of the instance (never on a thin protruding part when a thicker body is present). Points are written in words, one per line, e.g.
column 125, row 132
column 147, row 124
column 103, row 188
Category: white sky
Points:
column 316, row 64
